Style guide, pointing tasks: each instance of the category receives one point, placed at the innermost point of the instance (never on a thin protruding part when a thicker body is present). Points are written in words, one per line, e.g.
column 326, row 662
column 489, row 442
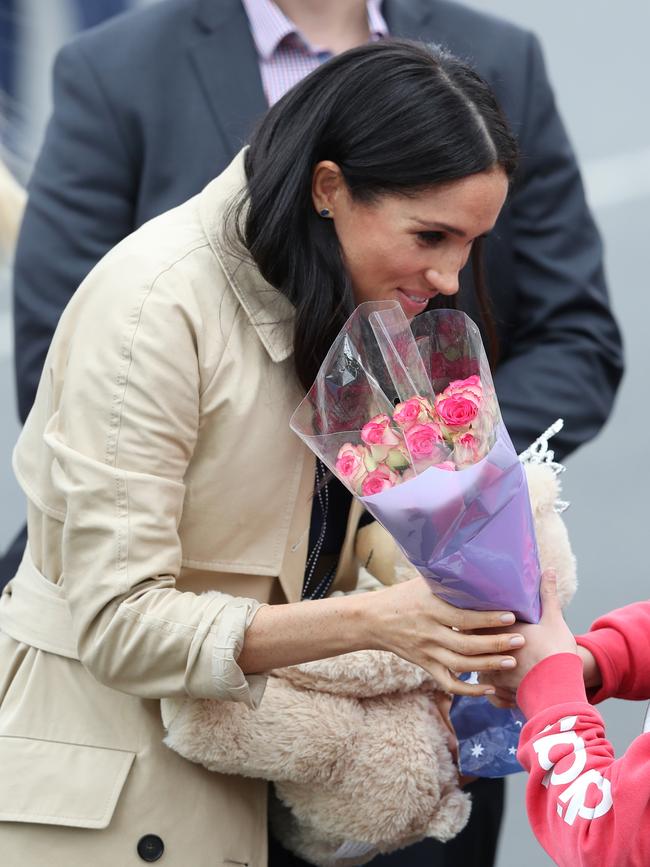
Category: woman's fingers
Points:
column 424, row 629
column 450, row 683
column 467, row 621
column 474, row 645
column 456, row 662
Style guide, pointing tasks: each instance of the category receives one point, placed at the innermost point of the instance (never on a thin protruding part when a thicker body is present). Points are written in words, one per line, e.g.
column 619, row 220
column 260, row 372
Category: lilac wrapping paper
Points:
column 469, row 532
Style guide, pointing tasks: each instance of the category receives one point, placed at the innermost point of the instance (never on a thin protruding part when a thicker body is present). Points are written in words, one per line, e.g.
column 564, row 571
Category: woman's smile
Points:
column 413, row 303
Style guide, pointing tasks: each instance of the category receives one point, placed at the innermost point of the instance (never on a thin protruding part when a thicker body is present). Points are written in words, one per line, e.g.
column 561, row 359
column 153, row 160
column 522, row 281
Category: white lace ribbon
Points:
column 540, row 453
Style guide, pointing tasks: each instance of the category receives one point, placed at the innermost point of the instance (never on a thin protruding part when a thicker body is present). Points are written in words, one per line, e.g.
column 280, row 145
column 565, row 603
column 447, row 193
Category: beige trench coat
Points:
column 158, row 463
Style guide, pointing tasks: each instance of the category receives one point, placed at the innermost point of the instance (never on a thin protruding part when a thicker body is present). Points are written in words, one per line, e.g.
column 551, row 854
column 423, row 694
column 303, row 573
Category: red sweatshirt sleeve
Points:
column 586, row 808
column 619, row 643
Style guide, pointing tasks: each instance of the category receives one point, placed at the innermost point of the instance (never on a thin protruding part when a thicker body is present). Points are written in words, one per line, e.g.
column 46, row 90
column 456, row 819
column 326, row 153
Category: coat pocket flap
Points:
column 56, row 783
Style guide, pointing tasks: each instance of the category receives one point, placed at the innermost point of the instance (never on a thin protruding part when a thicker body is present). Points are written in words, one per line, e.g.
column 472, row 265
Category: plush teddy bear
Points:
column 356, row 746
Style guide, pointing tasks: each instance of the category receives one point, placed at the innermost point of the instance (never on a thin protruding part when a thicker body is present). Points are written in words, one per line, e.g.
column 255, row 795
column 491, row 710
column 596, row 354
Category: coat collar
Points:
column 270, row 313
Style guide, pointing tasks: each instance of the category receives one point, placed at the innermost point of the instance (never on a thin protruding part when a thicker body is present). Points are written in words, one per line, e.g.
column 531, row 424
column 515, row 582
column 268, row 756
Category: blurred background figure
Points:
column 600, row 104
column 30, row 34
column 12, row 203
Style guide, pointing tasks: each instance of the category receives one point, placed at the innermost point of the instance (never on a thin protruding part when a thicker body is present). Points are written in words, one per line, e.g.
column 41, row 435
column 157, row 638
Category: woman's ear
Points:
column 327, row 187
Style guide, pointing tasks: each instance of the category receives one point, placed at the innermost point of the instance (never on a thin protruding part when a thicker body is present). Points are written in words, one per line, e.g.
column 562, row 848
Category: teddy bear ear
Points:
column 543, row 487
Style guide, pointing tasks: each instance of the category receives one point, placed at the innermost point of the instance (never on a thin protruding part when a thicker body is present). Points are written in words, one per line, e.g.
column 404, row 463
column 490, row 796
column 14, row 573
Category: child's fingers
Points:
column 548, row 594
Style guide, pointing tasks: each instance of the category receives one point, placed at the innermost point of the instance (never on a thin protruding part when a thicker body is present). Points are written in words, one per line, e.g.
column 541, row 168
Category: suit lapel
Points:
column 224, row 59
column 408, row 18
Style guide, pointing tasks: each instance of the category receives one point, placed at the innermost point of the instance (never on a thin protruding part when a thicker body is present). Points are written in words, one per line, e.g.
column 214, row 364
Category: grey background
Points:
column 599, row 64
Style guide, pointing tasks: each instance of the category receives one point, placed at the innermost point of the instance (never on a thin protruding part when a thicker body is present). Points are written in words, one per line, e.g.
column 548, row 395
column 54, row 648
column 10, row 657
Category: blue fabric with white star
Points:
column 488, row 736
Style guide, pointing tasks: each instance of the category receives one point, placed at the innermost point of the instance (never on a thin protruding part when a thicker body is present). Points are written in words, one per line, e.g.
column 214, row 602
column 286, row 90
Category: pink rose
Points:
column 349, row 460
column 450, row 466
column 468, row 440
column 379, row 480
column 414, row 410
column 351, row 465
column 470, row 388
column 467, row 449
column 421, row 439
column 457, row 410
column 379, row 432
column 468, row 382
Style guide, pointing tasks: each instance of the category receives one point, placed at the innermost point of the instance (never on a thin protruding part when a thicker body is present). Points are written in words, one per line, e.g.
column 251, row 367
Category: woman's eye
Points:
column 430, row 239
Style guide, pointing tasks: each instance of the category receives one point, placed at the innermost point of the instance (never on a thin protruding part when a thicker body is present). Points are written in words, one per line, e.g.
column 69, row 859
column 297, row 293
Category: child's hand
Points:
column 546, row 638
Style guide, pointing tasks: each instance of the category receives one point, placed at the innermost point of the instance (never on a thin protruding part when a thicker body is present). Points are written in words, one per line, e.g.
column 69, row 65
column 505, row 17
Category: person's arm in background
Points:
column 586, row 808
column 80, row 204
column 564, row 357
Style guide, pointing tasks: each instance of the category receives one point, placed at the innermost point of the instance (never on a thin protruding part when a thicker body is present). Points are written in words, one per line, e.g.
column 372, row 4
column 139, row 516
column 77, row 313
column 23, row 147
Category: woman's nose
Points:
column 445, row 282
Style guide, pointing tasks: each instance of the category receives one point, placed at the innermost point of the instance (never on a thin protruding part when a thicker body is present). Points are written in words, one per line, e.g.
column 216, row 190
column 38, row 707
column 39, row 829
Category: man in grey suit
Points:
column 153, row 104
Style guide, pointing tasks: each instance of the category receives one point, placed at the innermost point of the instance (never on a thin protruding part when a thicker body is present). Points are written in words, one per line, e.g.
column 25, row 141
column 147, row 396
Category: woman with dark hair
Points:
column 409, row 121
column 158, row 462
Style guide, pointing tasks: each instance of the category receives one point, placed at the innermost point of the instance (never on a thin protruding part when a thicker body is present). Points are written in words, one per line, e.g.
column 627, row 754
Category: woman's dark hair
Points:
column 396, row 117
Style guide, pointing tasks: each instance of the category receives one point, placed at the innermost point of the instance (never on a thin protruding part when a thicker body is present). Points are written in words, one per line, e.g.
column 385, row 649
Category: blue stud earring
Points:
column 325, row 212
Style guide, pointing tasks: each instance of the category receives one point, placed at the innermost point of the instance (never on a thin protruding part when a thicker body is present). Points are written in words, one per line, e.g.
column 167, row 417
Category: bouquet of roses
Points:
column 445, row 433
column 406, row 416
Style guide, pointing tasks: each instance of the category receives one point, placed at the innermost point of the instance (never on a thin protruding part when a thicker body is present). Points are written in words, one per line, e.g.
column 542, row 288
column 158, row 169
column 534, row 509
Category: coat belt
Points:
column 35, row 611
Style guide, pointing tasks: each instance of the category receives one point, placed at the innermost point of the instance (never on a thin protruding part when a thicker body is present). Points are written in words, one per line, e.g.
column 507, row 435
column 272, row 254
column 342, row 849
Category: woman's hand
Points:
column 407, row 619
column 411, row 621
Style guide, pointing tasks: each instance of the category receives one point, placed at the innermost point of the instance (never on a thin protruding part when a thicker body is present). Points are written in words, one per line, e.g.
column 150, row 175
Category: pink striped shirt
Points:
column 285, row 56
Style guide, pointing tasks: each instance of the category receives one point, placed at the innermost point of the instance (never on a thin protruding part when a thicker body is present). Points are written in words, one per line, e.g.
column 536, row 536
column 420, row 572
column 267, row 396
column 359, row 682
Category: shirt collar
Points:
column 270, row 26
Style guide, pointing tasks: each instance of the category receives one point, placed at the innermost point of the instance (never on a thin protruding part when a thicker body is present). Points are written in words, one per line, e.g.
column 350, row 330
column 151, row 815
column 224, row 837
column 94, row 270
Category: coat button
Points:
column 150, row 847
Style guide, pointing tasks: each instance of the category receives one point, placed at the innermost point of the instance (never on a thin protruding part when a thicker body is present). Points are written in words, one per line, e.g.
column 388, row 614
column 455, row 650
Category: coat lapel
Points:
column 224, row 59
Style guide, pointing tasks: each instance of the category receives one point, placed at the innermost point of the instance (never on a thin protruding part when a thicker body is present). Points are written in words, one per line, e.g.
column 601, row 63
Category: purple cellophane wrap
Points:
column 469, row 532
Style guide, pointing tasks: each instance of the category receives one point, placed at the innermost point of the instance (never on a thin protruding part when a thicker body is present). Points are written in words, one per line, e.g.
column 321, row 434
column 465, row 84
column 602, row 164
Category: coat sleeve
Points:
column 81, row 203
column 619, row 642
column 121, row 437
column 564, row 358
column 586, row 808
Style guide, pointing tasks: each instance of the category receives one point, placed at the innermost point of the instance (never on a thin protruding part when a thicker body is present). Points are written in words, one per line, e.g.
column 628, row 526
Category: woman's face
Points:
column 409, row 249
